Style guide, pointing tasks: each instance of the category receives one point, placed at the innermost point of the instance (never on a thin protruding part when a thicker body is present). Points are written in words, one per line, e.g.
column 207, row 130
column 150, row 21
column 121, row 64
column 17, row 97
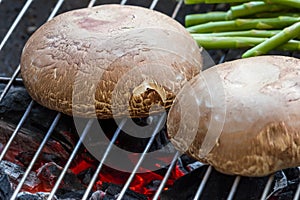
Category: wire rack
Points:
column 14, row 79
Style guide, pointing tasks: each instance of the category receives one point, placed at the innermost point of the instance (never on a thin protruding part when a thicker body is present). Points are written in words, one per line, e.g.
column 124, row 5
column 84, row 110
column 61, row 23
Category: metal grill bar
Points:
column 17, row 71
column 123, row 2
column 87, row 127
column 237, row 179
column 164, row 181
column 166, row 176
column 234, row 188
column 55, row 9
column 297, row 194
column 92, row 2
column 28, row 109
column 72, row 156
column 15, row 23
column 159, row 123
column 7, row 87
column 267, row 188
column 7, row 79
column 36, row 155
column 203, row 182
column 178, row 6
column 153, row 4
column 95, row 176
column 209, row 169
column 14, row 134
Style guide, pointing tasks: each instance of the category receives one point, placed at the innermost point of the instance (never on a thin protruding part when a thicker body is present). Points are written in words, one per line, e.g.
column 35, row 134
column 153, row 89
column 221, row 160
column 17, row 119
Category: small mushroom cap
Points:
column 242, row 117
column 109, row 61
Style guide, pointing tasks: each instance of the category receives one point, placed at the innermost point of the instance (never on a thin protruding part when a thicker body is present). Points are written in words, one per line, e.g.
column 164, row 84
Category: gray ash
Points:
column 5, row 187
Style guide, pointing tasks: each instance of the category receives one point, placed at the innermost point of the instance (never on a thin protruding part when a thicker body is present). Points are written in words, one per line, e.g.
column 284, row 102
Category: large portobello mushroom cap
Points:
column 109, row 60
column 252, row 117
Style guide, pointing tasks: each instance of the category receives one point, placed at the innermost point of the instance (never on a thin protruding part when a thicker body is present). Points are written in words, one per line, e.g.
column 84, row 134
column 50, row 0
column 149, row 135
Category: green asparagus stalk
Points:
column 275, row 14
column 189, row 2
column 277, row 40
column 194, row 19
column 247, row 33
column 244, row 24
column 251, row 8
column 213, row 1
column 225, row 1
column 291, row 3
column 212, row 42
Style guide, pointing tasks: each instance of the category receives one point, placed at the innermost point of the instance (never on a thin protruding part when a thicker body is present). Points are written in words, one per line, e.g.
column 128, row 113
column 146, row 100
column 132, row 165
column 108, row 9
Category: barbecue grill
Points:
column 12, row 30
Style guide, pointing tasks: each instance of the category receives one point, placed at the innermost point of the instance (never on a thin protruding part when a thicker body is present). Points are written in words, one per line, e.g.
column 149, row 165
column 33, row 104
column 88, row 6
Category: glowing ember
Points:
column 55, row 154
column 143, row 183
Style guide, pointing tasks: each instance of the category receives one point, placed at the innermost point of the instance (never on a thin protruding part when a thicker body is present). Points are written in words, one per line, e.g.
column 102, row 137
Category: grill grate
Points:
column 14, row 80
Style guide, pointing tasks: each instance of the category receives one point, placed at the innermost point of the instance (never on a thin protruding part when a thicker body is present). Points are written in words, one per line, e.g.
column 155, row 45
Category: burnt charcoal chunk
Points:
column 51, row 171
column 127, row 139
column 16, row 100
column 28, row 196
column 98, row 195
column 86, row 175
column 186, row 160
column 289, row 181
column 292, row 173
column 184, row 187
column 217, row 187
column 285, row 196
column 35, row 196
column 112, row 191
column 22, row 152
column 65, row 194
column 13, row 106
column 251, row 188
column 25, row 158
column 5, row 186
column 153, row 185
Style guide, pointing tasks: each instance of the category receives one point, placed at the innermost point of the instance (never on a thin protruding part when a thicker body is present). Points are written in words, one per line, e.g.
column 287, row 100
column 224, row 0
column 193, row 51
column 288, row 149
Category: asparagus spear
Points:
column 275, row 14
column 211, row 42
column 225, row 1
column 247, row 33
column 189, row 2
column 194, row 19
column 292, row 3
column 213, row 1
column 251, row 8
column 244, row 24
column 277, row 40
column 246, row 9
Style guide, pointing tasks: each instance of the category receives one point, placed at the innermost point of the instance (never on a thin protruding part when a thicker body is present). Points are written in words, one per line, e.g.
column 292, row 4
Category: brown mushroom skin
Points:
column 109, row 61
column 260, row 131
